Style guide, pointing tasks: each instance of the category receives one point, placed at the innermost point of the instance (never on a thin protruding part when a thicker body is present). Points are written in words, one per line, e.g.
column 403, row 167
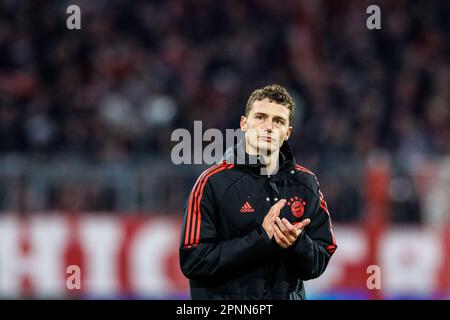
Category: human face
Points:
column 266, row 127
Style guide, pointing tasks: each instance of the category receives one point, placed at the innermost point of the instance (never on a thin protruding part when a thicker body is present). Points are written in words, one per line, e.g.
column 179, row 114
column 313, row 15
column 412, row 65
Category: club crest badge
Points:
column 297, row 206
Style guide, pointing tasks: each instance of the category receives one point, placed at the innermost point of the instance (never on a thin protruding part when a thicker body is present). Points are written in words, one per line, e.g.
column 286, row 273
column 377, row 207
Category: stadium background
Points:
column 86, row 118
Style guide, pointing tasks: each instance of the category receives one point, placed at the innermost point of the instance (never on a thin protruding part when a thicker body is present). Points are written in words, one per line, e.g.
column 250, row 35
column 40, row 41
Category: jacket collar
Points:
column 252, row 164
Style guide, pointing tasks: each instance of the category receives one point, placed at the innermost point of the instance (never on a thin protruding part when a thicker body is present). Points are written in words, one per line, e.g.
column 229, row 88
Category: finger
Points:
column 306, row 222
column 290, row 237
column 282, row 227
column 278, row 241
column 279, row 205
column 276, row 209
column 303, row 224
column 290, row 227
column 281, row 236
column 276, row 237
column 274, row 216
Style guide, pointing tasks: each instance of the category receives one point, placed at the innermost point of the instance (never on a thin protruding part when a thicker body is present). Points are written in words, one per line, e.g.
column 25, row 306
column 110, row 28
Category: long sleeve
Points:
column 316, row 244
column 202, row 253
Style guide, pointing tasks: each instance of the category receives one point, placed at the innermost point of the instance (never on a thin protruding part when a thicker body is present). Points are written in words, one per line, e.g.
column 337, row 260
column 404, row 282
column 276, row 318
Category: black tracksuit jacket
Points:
column 225, row 252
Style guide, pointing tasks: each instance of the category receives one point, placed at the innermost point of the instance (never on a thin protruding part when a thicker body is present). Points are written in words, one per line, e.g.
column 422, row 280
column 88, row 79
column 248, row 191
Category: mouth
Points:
column 265, row 138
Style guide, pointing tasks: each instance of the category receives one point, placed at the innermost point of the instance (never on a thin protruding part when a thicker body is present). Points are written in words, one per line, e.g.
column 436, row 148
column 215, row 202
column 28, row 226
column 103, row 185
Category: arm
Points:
column 202, row 253
column 315, row 245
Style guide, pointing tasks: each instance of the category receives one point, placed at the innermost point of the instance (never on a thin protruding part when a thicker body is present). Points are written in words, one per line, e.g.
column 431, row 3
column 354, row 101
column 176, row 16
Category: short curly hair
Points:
column 275, row 93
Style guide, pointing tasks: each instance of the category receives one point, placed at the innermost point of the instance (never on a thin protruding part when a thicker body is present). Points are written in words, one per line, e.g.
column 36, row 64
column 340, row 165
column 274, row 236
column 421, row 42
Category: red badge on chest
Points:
column 297, row 206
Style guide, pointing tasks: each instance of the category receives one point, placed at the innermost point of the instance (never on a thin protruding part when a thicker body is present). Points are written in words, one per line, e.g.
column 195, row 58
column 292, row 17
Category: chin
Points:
column 267, row 148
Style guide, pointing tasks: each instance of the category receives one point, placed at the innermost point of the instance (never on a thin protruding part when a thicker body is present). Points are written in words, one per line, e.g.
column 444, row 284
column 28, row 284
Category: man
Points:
column 256, row 225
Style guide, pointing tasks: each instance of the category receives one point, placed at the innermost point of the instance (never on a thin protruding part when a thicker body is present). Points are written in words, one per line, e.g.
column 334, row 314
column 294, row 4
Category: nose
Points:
column 268, row 125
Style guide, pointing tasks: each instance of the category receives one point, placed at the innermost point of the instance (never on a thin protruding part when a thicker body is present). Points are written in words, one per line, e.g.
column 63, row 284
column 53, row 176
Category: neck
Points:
column 270, row 160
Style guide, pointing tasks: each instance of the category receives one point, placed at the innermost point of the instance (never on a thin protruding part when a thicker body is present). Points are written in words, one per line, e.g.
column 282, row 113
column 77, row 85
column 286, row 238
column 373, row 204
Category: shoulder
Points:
column 219, row 174
column 307, row 178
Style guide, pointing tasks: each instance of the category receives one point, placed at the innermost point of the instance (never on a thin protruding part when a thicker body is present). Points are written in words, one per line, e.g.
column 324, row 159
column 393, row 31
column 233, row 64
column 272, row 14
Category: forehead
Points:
column 270, row 107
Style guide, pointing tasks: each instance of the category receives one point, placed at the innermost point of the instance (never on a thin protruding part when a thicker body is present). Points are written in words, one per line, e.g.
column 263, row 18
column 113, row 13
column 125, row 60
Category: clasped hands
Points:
column 282, row 230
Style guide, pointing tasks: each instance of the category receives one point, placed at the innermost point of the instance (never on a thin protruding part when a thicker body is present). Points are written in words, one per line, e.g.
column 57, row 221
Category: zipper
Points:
column 271, row 272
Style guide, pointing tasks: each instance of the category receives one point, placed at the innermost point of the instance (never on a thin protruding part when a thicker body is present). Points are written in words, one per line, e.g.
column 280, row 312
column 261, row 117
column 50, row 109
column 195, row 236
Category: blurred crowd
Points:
column 137, row 70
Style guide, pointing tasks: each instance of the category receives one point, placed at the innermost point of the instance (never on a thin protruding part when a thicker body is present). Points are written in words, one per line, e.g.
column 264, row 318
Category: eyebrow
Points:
column 265, row 114
column 280, row 118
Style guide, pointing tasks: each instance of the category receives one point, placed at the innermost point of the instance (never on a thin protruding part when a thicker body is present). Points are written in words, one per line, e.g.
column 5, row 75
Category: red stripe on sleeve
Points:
column 188, row 227
column 198, row 212
column 197, row 209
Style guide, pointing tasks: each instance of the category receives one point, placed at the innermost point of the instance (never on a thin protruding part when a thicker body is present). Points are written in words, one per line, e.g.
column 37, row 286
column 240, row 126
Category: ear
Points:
column 243, row 123
column 288, row 134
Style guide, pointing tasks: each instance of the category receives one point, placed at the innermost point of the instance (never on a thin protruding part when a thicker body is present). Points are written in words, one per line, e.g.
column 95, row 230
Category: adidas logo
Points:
column 247, row 208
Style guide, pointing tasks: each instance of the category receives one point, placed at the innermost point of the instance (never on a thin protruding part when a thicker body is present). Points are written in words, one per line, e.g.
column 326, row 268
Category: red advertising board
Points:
column 136, row 256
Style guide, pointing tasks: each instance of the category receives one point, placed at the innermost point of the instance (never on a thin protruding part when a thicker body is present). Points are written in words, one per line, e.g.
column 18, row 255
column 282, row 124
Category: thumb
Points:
column 303, row 224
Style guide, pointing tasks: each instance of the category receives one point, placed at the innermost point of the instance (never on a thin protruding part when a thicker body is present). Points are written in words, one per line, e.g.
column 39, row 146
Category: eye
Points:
column 279, row 121
column 258, row 116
